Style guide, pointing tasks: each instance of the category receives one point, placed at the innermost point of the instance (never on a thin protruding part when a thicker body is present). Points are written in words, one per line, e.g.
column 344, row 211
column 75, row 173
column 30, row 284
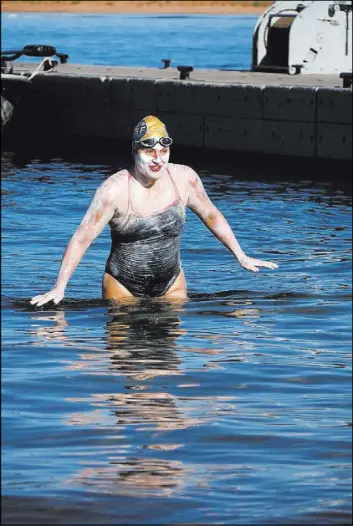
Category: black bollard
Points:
column 185, row 72
column 347, row 79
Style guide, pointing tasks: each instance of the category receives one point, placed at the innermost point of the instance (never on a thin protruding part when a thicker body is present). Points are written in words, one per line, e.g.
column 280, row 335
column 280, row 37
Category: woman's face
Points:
column 152, row 162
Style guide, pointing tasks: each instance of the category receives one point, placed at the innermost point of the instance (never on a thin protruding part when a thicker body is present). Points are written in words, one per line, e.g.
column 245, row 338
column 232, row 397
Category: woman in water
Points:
column 145, row 209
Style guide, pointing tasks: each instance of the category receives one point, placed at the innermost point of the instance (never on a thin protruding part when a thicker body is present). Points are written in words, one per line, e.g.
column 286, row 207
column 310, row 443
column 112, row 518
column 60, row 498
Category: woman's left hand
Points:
column 253, row 264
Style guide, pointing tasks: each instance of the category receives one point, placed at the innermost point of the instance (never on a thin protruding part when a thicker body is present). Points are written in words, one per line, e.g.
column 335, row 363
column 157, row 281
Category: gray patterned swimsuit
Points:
column 145, row 251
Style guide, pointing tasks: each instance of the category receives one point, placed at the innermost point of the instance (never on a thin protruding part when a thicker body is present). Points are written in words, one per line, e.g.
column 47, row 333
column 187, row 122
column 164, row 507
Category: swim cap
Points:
column 149, row 127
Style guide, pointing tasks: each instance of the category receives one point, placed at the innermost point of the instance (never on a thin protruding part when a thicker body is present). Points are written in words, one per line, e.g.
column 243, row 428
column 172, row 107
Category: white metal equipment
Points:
column 304, row 37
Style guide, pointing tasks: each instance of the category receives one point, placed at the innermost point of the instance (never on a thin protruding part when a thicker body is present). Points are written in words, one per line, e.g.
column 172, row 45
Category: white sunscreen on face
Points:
column 152, row 163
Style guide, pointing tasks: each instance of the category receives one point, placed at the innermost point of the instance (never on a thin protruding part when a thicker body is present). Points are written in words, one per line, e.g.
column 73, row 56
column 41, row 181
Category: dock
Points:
column 307, row 116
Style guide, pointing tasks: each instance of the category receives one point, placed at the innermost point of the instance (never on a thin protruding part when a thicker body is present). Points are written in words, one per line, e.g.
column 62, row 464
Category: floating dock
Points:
column 308, row 116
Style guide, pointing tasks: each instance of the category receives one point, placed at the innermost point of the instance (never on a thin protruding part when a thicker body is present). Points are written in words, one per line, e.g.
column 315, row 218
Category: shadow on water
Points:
column 151, row 306
column 148, row 307
column 240, row 165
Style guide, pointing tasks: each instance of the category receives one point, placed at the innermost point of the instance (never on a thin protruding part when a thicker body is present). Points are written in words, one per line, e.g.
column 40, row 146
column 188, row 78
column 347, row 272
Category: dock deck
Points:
column 198, row 75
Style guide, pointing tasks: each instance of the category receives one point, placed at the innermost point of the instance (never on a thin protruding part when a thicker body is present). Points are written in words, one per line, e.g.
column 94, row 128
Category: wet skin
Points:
column 152, row 191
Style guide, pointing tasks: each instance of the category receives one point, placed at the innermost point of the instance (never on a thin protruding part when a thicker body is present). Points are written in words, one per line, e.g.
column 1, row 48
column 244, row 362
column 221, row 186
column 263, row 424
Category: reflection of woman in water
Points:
column 145, row 208
column 141, row 344
column 141, row 340
column 147, row 333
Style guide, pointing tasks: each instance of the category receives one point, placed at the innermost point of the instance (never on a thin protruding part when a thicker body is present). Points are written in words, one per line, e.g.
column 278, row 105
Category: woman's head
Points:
column 150, row 147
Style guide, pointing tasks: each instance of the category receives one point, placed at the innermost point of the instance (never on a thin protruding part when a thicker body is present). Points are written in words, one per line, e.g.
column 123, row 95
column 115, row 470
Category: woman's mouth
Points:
column 155, row 168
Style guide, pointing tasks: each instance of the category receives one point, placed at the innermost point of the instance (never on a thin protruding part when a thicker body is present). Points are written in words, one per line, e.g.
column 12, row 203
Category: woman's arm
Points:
column 98, row 215
column 200, row 203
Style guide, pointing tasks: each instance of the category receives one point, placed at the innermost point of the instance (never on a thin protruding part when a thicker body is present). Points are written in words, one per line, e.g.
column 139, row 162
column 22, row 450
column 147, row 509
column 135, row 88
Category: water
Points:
column 232, row 408
column 203, row 41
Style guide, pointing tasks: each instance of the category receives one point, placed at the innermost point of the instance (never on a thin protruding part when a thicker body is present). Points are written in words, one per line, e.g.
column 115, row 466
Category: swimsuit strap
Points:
column 129, row 206
column 129, row 197
column 175, row 185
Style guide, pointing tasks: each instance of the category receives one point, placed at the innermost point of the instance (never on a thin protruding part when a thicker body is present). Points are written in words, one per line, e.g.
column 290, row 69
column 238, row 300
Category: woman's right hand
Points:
column 55, row 295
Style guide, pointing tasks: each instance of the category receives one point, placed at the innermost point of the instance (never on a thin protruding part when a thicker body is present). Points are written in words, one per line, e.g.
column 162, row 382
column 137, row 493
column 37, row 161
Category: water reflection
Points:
column 54, row 332
column 140, row 345
column 133, row 476
column 142, row 339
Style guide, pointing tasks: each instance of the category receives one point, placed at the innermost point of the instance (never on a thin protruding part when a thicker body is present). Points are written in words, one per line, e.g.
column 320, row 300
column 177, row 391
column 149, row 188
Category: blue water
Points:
column 135, row 40
column 232, row 408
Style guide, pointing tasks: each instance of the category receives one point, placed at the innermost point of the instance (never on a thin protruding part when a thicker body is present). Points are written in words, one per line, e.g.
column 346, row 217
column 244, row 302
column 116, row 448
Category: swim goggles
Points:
column 151, row 143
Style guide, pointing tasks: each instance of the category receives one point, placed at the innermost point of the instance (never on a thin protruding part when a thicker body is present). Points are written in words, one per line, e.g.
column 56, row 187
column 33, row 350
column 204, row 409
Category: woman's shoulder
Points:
column 119, row 175
column 181, row 170
column 117, row 180
column 114, row 186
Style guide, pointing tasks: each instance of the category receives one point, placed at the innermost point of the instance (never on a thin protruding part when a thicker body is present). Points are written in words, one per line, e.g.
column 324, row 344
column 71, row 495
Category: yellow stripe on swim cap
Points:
column 148, row 128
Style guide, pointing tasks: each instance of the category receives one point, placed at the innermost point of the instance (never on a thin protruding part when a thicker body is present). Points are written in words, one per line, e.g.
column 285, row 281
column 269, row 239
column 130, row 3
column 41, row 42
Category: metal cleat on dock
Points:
column 184, row 72
column 347, row 79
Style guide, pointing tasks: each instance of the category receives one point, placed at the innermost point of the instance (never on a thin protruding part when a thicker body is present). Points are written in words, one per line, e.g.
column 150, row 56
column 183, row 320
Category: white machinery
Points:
column 304, row 37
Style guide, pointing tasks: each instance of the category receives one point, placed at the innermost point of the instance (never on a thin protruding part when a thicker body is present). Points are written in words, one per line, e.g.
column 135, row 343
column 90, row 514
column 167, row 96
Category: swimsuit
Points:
column 145, row 251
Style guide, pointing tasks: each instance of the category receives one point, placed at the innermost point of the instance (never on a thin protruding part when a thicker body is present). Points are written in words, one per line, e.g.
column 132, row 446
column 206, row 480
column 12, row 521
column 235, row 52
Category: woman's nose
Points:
column 156, row 156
